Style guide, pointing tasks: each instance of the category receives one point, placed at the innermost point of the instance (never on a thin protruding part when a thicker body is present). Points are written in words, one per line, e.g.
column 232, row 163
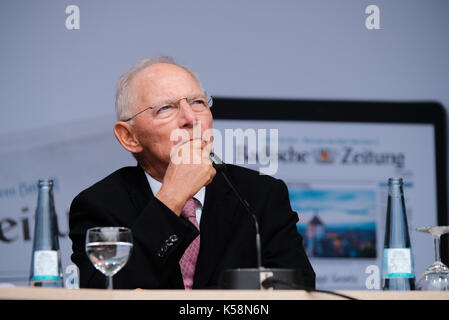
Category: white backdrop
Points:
column 255, row 48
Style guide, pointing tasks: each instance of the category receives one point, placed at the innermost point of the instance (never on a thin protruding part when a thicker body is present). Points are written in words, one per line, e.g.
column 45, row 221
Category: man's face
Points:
column 161, row 82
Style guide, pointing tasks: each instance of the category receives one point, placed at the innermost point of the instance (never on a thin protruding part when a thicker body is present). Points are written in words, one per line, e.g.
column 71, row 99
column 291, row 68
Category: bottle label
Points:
column 397, row 263
column 46, row 265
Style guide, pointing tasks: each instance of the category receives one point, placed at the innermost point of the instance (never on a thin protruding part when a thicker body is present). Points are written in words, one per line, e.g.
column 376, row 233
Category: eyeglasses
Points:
column 166, row 109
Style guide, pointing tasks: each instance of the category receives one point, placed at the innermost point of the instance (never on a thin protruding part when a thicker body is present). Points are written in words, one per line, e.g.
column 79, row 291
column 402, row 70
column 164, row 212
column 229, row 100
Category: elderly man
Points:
column 187, row 225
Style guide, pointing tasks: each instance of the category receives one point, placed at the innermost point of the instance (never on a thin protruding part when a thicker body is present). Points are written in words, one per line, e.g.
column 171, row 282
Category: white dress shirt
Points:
column 156, row 186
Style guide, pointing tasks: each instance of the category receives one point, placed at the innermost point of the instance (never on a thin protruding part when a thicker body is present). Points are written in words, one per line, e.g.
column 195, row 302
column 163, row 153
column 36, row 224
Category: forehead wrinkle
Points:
column 163, row 84
column 141, row 83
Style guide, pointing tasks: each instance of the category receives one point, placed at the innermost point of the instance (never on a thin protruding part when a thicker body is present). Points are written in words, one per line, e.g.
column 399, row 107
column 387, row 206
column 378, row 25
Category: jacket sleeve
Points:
column 159, row 239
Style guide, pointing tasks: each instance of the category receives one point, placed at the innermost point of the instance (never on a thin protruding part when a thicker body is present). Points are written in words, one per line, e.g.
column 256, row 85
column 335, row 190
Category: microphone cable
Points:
column 270, row 282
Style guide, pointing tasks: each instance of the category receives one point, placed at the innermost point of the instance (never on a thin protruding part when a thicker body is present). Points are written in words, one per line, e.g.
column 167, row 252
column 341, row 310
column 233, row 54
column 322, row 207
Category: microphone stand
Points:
column 251, row 212
column 220, row 166
column 252, row 278
column 260, row 278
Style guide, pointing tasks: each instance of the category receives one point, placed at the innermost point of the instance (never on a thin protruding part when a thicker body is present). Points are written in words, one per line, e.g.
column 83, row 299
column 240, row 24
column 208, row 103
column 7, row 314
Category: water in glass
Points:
column 436, row 276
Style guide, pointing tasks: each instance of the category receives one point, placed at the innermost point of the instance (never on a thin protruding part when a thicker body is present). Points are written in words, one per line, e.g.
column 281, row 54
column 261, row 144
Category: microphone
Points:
column 217, row 163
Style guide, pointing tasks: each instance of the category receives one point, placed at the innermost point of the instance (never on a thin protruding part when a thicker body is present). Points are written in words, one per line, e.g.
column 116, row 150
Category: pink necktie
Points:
column 188, row 260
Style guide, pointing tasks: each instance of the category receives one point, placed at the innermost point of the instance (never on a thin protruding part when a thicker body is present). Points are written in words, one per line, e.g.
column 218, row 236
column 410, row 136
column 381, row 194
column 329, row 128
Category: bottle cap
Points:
column 45, row 183
column 395, row 180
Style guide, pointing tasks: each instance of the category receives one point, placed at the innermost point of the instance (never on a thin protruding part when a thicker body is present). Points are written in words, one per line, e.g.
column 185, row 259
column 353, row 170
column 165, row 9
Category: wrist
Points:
column 174, row 202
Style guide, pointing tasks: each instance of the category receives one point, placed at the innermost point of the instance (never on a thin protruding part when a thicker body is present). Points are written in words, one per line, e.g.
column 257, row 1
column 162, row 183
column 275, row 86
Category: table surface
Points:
column 30, row 293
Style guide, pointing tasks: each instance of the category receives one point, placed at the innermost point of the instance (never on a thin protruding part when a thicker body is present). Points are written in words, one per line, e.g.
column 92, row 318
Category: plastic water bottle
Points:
column 397, row 267
column 46, row 270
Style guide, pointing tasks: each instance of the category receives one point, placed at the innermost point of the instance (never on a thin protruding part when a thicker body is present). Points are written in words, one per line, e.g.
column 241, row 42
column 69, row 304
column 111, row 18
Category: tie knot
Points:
column 189, row 209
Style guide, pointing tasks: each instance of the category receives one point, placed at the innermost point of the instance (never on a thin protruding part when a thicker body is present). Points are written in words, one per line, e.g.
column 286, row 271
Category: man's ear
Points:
column 123, row 131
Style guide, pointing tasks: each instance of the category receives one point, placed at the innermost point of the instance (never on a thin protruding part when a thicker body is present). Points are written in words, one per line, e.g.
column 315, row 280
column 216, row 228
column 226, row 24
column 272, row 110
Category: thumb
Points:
column 206, row 151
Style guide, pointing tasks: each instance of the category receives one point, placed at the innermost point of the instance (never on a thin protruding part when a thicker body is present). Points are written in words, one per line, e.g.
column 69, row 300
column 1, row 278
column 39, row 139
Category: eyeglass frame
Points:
column 209, row 101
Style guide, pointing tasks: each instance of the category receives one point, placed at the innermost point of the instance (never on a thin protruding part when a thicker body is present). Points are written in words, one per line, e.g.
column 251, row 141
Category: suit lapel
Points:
column 218, row 212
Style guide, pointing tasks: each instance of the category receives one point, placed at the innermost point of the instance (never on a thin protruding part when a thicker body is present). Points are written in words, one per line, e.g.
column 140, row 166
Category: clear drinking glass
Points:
column 436, row 276
column 109, row 249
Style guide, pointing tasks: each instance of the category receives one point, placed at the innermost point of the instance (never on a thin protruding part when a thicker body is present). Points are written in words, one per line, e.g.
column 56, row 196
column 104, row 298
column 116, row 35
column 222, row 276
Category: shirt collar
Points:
column 156, row 186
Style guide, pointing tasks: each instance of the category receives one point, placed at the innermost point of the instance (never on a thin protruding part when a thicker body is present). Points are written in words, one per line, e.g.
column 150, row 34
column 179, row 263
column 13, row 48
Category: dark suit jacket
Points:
column 160, row 237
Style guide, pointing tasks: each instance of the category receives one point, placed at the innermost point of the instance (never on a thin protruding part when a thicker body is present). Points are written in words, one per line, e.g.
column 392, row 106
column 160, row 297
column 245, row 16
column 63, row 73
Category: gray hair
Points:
column 125, row 98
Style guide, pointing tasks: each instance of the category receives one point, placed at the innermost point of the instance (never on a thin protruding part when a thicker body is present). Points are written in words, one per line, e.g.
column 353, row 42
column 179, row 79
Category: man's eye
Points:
column 164, row 108
column 199, row 102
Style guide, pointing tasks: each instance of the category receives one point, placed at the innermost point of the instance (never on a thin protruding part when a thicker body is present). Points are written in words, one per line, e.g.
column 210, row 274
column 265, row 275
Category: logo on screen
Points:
column 325, row 156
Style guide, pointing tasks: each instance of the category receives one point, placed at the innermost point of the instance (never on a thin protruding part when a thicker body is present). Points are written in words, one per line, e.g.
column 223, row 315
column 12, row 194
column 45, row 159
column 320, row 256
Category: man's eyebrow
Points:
column 166, row 101
column 197, row 95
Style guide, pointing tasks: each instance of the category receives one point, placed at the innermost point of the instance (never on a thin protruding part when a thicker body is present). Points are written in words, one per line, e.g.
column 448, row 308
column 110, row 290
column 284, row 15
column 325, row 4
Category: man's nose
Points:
column 186, row 113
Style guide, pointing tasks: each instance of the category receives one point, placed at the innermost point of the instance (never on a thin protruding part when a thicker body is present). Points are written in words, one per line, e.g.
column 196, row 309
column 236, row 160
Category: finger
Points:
column 206, row 156
column 180, row 150
column 176, row 154
column 212, row 176
column 207, row 149
column 196, row 144
column 185, row 154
